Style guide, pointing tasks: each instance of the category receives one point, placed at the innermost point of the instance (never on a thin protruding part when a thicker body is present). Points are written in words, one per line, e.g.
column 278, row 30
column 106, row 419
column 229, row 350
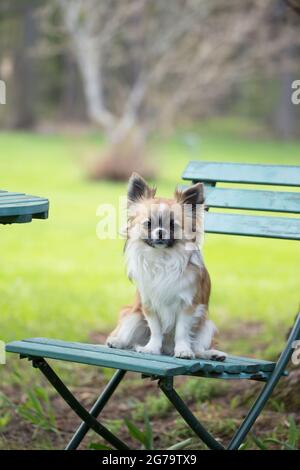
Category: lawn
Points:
column 59, row 280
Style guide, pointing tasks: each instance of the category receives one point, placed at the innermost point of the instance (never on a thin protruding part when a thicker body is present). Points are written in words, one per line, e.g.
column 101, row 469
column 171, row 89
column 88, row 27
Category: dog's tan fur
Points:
column 170, row 311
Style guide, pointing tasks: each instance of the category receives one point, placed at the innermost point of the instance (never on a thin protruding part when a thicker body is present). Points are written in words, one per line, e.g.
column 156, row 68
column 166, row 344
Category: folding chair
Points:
column 165, row 368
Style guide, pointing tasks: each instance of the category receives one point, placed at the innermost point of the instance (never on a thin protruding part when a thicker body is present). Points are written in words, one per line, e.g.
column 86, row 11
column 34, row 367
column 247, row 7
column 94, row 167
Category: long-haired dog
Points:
column 170, row 311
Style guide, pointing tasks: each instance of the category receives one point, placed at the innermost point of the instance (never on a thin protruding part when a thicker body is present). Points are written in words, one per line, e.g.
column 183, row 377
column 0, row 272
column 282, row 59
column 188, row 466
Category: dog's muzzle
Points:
column 160, row 237
column 158, row 243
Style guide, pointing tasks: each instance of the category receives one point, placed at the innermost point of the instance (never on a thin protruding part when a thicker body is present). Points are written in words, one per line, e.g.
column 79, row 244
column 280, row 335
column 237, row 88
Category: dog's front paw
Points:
column 148, row 349
column 212, row 354
column 113, row 342
column 184, row 353
column 218, row 355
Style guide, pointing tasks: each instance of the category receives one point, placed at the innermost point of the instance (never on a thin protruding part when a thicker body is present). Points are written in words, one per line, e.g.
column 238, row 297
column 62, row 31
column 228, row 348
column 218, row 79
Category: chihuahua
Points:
column 170, row 311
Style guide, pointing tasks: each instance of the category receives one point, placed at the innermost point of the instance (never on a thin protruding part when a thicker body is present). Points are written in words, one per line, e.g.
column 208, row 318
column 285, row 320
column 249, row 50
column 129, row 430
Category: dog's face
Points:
column 160, row 222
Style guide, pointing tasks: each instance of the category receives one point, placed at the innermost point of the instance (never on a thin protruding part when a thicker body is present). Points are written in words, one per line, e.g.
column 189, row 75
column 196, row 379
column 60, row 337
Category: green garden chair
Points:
column 165, row 368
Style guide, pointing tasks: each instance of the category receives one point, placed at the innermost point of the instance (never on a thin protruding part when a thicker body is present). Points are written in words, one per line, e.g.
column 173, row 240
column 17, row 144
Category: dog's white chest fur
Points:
column 163, row 278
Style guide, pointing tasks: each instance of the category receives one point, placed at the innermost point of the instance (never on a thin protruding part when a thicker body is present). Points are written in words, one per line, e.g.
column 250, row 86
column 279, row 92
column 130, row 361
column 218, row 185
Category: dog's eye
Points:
column 174, row 225
column 147, row 223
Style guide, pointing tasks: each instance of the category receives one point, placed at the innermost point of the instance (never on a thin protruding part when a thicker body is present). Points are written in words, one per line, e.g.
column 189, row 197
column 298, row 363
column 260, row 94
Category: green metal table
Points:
column 18, row 208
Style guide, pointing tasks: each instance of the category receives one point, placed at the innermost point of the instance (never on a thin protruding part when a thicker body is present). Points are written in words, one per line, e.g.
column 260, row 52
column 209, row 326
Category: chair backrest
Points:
column 232, row 198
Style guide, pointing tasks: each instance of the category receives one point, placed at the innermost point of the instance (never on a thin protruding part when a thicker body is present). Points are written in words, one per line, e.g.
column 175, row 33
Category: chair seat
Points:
column 98, row 355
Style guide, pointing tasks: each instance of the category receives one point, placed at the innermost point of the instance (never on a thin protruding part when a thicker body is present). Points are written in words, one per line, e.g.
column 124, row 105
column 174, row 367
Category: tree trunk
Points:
column 24, row 73
column 125, row 154
column 125, row 135
column 89, row 64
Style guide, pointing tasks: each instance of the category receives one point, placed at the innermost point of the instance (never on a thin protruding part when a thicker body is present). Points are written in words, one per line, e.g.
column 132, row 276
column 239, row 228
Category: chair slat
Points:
column 277, row 175
column 12, row 198
column 7, row 193
column 24, row 203
column 272, row 201
column 265, row 366
column 252, row 226
column 22, row 208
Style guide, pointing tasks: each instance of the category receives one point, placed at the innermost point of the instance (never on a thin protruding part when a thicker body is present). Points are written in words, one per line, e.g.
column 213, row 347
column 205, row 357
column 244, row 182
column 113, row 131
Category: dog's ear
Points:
column 192, row 195
column 139, row 189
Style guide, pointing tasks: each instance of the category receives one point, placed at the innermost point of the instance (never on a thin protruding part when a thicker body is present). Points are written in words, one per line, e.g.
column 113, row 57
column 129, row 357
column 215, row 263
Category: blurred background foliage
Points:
column 134, row 67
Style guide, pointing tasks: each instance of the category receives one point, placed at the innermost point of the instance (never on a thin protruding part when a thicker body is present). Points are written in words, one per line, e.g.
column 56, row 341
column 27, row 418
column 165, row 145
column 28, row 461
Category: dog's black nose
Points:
column 160, row 234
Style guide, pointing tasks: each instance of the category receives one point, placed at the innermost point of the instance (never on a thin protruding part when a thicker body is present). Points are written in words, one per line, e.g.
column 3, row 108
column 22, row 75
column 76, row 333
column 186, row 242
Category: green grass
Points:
column 59, row 280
